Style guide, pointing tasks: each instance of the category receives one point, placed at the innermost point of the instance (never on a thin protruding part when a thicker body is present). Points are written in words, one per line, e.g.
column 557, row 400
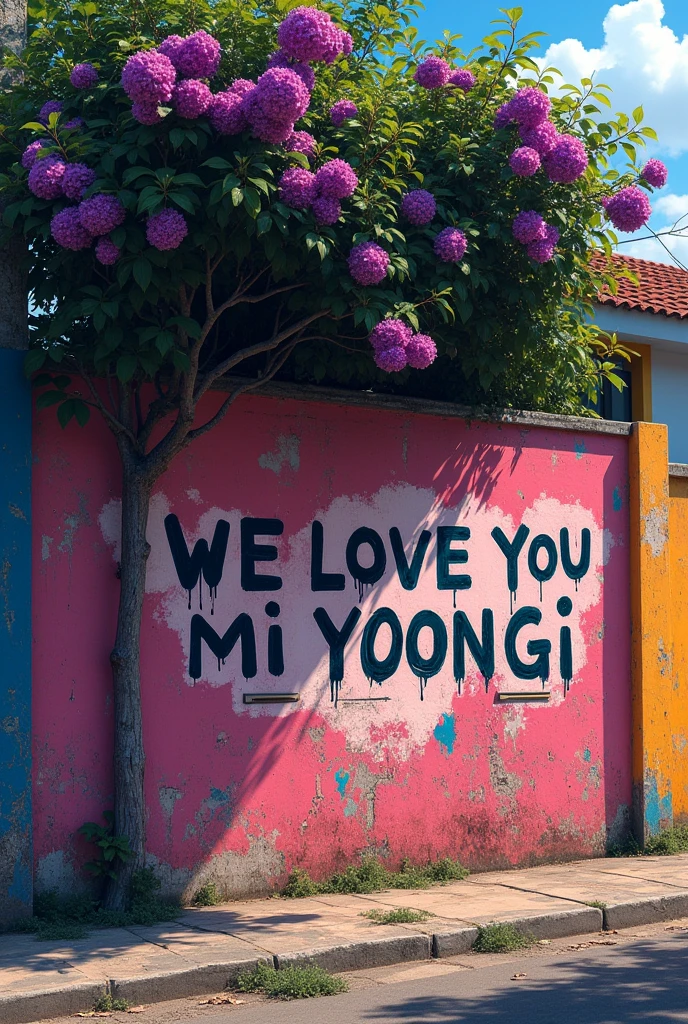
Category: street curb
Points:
column 648, row 910
column 353, row 956
column 559, row 925
column 25, row 1007
column 453, row 943
column 196, row 981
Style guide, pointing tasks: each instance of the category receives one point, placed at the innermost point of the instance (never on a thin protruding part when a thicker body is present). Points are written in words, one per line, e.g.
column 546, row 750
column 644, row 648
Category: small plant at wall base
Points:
column 114, row 850
column 291, row 982
column 202, row 210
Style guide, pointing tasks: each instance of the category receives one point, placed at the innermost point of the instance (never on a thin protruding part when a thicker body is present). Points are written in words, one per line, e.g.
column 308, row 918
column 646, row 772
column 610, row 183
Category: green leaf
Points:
column 180, row 360
column 82, row 412
column 237, row 196
column 191, row 327
column 264, row 222
column 218, row 163
column 179, row 199
column 35, row 126
column 49, row 398
column 126, row 367
column 34, row 360
column 65, row 412
column 177, row 137
column 142, row 271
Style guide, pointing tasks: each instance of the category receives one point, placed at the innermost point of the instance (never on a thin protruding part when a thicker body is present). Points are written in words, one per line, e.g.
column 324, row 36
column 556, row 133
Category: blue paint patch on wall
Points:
column 658, row 813
column 617, row 500
column 15, row 638
column 580, row 449
column 340, row 780
column 445, row 733
column 586, row 755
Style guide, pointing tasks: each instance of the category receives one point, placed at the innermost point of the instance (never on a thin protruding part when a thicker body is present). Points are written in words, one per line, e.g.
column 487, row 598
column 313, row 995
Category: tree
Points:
column 183, row 237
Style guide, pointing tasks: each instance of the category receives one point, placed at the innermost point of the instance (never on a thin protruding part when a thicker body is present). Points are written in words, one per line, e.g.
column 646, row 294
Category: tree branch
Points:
column 115, row 425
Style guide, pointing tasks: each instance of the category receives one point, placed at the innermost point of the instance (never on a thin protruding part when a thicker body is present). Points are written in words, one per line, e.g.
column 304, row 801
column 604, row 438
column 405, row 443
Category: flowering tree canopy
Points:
column 218, row 189
column 205, row 173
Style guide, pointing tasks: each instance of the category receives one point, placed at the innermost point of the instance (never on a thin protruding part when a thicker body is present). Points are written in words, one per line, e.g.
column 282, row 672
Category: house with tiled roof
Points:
column 651, row 317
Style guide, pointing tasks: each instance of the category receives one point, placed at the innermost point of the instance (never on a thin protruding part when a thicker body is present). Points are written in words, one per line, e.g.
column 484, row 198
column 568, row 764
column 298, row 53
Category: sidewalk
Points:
column 206, row 948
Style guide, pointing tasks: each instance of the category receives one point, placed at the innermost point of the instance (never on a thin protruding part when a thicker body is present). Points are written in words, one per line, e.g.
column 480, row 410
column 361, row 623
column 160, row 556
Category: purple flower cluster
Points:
column 655, row 173
column 191, row 98
column 226, row 113
column 30, row 154
column 83, row 76
column 148, row 78
column 540, row 238
column 297, row 188
column 542, row 138
column 336, row 180
column 542, row 249
column 74, row 123
column 300, row 142
column 396, row 347
column 51, row 107
column 68, row 231
column 326, row 210
column 76, row 179
column 107, row 252
column 502, row 117
column 432, row 73
column 342, row 111
column 323, row 191
column 419, row 207
column 279, row 99
column 528, row 226
column 368, row 263
column 45, row 177
column 629, row 209
column 450, row 245
column 463, row 79
column 524, row 161
column 567, row 160
column 166, row 230
column 529, row 107
column 197, row 56
column 101, row 214
column 307, row 34
column 145, row 113
column 279, row 59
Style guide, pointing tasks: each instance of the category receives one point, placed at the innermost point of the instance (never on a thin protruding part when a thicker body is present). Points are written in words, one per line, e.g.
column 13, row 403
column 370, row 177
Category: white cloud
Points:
column 644, row 62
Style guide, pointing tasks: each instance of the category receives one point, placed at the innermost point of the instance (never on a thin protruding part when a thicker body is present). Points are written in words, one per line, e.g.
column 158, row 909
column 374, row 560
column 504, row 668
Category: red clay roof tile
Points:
column 661, row 288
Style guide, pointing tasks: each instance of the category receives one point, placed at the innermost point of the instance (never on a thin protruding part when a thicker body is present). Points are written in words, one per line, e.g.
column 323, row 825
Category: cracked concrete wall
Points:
column 15, row 638
column 240, row 794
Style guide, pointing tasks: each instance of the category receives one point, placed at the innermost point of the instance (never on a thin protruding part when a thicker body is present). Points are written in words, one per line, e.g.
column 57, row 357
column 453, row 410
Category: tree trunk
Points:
column 129, row 756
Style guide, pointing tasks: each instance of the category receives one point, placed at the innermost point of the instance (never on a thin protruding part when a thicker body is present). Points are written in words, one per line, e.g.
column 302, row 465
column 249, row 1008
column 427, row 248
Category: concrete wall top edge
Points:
column 426, row 407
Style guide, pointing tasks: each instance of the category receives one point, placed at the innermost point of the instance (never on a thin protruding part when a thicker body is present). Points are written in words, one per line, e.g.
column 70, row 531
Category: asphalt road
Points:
column 646, row 981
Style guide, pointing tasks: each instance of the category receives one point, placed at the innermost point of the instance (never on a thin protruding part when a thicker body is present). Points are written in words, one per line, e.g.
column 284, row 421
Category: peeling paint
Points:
column 45, row 547
column 655, row 528
column 617, row 500
column 445, row 733
column 285, row 453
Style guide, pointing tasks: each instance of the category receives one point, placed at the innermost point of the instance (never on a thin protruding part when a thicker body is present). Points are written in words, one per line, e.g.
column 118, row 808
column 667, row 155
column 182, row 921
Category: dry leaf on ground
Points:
column 222, row 1001
column 517, row 977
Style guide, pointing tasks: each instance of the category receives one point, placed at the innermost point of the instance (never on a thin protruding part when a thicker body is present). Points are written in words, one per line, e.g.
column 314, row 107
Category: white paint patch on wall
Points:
column 407, row 720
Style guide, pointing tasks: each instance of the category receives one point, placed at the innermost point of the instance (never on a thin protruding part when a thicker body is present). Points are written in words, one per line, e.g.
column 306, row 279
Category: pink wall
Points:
column 241, row 794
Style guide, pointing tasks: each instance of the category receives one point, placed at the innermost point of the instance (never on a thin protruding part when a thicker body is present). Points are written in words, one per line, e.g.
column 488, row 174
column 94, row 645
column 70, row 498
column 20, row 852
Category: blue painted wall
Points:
column 15, row 638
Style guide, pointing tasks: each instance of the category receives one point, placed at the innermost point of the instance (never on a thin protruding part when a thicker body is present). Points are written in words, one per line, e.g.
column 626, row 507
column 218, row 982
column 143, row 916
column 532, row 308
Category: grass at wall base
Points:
column 174, row 204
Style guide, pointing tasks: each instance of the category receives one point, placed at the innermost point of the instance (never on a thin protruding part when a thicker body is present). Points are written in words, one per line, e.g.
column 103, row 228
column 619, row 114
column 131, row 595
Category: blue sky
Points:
column 639, row 47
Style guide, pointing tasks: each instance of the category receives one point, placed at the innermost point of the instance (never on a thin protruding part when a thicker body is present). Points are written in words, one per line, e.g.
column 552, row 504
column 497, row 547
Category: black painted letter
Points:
column 379, row 669
column 541, row 648
column 252, row 553
column 322, row 580
column 511, row 550
column 408, row 574
column 575, row 572
column 240, row 629
column 209, row 561
column 447, row 556
column 483, row 653
column 426, row 668
column 337, row 640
